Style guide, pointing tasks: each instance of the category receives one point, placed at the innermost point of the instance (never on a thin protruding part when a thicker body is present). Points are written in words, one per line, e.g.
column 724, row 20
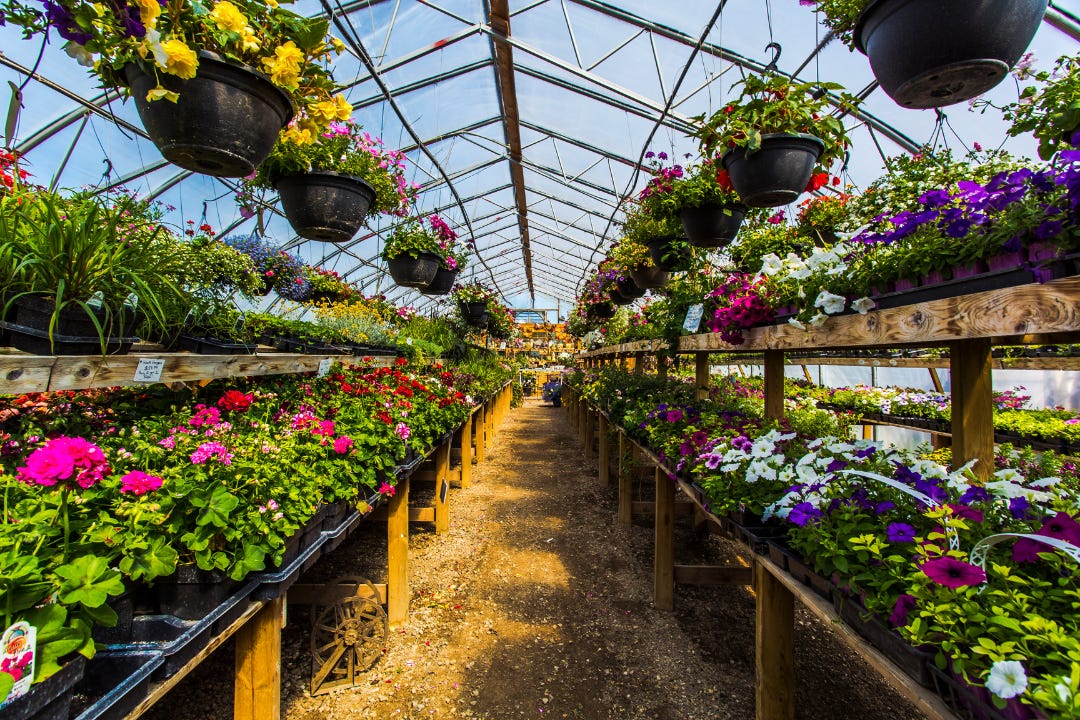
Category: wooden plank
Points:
column 972, row 405
column 480, row 436
column 397, row 554
column 713, row 575
column 774, row 626
column 664, row 550
column 626, row 486
column 701, row 375
column 605, row 471
column 466, row 453
column 422, row 514
column 328, row 594
column 442, row 489
column 774, row 384
column 1048, row 362
column 935, row 379
column 159, row 690
column 648, row 507
column 257, row 692
column 926, row 701
column 24, row 373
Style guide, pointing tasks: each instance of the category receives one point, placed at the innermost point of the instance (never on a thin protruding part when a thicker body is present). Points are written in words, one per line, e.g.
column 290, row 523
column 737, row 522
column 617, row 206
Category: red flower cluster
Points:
column 236, row 401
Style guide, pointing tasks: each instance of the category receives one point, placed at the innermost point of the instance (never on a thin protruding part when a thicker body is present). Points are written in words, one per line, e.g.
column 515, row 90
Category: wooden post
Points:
column 935, row 379
column 479, row 435
column 661, row 365
column 775, row 663
column 466, row 453
column 774, row 384
column 257, row 690
column 442, row 489
column 605, row 473
column 701, row 375
column 664, row 551
column 397, row 554
column 583, row 421
column 972, row 405
column 590, row 431
column 639, row 363
column 626, row 486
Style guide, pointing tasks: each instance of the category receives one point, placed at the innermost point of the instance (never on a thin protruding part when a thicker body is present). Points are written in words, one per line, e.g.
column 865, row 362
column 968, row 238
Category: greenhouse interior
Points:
column 497, row 359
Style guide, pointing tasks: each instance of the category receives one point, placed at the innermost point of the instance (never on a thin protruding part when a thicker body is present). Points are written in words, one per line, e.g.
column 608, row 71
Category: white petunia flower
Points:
column 1007, row 679
column 829, row 303
column 1009, row 475
column 771, row 264
column 863, row 305
column 795, row 323
column 819, row 319
column 79, row 53
column 1045, row 482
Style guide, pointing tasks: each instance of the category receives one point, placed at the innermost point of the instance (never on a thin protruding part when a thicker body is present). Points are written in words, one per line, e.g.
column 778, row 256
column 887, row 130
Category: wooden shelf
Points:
column 1021, row 315
column 1049, row 362
column 39, row 373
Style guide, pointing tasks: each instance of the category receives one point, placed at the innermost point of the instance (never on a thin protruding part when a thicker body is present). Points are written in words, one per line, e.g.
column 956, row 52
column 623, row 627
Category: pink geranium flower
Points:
column 138, row 482
column 386, row 489
column 403, row 431
column 210, row 450
column 342, row 444
column 74, row 460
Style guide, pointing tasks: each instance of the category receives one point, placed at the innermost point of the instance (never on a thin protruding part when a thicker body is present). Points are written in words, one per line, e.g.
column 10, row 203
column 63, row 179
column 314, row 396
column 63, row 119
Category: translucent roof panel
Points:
column 533, row 157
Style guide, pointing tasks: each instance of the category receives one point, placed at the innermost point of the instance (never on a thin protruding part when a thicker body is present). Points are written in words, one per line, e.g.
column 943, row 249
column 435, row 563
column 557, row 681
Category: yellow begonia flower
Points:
column 180, row 60
column 337, row 45
column 284, row 67
column 228, row 17
column 160, row 93
column 298, row 135
column 149, row 10
column 323, row 112
column 248, row 40
column 272, row 3
column 344, row 109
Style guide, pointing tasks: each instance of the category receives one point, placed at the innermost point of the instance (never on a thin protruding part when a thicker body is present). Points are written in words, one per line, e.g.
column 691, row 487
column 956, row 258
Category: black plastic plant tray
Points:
column 275, row 584
column 212, row 346
column 913, row 661
column 116, row 683
column 36, row 342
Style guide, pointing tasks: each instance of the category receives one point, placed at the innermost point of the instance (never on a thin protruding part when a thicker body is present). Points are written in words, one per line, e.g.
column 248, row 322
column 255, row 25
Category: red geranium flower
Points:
column 235, row 400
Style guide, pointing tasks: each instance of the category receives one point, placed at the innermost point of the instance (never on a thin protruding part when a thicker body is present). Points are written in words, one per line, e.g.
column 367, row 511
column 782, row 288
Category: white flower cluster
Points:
column 827, row 263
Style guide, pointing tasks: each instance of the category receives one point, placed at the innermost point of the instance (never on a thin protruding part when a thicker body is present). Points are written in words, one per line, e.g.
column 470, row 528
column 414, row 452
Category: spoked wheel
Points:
column 348, row 637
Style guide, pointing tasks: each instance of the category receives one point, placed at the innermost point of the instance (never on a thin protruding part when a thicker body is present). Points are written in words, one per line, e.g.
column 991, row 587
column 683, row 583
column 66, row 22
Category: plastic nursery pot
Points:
column 712, row 226
column 74, row 333
column 325, row 205
column 650, row 277
column 667, row 258
column 777, row 173
column 929, row 54
column 618, row 298
column 442, row 283
column 413, row 272
column 629, row 289
column 601, row 311
column 474, row 313
column 225, row 121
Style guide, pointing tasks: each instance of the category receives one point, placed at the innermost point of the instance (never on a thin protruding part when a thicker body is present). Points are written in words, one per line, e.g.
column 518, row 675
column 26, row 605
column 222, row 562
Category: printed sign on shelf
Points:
column 693, row 318
column 18, row 648
column 149, row 370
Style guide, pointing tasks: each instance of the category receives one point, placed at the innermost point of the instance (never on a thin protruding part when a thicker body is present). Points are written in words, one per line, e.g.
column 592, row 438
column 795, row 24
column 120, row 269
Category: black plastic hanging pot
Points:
column 777, row 173
column 325, row 205
column 413, row 272
column 442, row 283
column 601, row 311
column 474, row 313
column 225, row 121
column 629, row 289
column 650, row 277
column 617, row 297
column 668, row 256
column 930, row 53
column 712, row 226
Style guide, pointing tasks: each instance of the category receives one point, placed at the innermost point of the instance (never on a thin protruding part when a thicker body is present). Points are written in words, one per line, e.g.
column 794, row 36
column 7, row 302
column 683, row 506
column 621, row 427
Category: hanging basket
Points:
column 666, row 256
column 629, row 289
column 442, row 283
column 650, row 277
column 929, row 53
column 413, row 272
column 712, row 226
column 617, row 297
column 225, row 121
column 777, row 173
column 324, row 205
column 601, row 311
column 474, row 313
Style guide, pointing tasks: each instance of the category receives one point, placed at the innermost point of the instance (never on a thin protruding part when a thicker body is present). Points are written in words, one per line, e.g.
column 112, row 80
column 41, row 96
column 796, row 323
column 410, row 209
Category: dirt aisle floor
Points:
column 535, row 605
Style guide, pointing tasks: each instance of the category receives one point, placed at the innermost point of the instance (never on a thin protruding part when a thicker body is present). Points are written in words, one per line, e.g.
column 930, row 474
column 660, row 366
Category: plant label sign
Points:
column 17, row 651
column 149, row 370
column 693, row 318
column 324, row 366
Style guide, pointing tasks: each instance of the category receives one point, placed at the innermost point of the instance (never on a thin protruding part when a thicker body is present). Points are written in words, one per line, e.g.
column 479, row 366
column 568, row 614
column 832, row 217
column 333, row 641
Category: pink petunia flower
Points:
column 953, row 573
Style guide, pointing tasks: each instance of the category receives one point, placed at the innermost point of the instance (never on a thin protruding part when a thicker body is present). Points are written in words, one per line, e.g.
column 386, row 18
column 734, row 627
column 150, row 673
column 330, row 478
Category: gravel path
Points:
column 536, row 605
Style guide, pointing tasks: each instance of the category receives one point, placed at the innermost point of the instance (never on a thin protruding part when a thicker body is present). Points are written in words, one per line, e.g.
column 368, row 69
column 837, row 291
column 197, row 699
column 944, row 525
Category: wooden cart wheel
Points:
column 348, row 637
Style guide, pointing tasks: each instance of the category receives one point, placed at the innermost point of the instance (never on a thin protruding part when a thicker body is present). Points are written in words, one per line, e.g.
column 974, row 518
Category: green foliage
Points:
column 1051, row 112
column 410, row 238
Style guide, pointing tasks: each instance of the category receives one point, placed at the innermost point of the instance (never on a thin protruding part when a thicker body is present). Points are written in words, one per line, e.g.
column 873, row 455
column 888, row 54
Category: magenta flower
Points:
column 65, row 458
column 207, row 451
column 138, row 482
column 386, row 489
column 674, row 415
column 325, row 427
column 403, row 431
column 953, row 573
column 904, row 605
column 1062, row 526
column 342, row 444
column 205, row 416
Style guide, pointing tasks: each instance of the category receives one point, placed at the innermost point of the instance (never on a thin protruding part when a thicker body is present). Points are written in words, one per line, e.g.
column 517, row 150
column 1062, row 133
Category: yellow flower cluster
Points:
column 284, row 66
column 356, row 321
column 325, row 112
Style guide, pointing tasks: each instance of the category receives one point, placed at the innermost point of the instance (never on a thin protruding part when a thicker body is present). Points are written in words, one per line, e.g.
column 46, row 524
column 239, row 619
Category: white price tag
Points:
column 324, row 366
column 149, row 370
column 693, row 318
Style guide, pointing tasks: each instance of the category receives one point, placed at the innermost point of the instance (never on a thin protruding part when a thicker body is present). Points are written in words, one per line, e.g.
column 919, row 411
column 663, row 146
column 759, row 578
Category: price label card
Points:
column 693, row 318
column 149, row 370
column 324, row 366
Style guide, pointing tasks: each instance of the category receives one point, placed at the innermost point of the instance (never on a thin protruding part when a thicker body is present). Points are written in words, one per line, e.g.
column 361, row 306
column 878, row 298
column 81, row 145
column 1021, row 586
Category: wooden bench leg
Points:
column 664, row 558
column 442, row 489
column 257, row 692
column 605, row 473
column 626, row 486
column 774, row 627
column 397, row 555
column 466, row 453
column 480, row 435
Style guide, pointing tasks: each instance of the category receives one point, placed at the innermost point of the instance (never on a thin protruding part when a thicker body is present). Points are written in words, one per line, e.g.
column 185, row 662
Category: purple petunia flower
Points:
column 900, row 532
column 904, row 605
column 803, row 513
column 953, row 573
